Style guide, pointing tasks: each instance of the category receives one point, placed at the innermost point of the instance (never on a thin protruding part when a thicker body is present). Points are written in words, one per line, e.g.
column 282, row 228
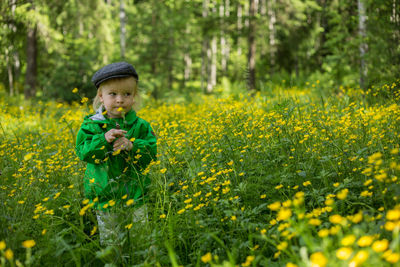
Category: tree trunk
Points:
column 224, row 13
column 271, row 28
column 154, row 48
column 187, row 59
column 10, row 73
column 239, row 27
column 251, row 58
column 31, row 63
column 122, row 19
column 362, row 31
column 205, row 50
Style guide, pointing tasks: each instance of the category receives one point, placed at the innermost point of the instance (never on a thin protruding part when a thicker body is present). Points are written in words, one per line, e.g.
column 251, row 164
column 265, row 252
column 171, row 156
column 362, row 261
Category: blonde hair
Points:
column 118, row 83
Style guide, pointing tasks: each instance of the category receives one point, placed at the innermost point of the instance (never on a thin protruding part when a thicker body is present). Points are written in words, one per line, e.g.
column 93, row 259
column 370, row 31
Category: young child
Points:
column 117, row 146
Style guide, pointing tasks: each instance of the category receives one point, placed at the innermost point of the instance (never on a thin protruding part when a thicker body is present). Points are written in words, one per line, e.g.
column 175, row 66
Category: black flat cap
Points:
column 114, row 70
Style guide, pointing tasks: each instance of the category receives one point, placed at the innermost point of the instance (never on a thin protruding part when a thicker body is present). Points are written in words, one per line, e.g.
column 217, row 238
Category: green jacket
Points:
column 110, row 175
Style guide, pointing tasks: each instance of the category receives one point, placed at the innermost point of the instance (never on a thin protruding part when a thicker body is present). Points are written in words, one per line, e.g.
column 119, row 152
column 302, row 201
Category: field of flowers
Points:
column 288, row 178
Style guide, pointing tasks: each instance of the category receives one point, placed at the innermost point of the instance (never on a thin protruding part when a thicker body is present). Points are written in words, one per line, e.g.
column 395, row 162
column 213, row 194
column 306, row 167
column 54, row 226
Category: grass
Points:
column 286, row 178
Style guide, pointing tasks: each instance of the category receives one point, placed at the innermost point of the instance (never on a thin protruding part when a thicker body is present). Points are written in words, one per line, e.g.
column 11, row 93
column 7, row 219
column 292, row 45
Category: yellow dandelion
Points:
column 75, row 90
column 348, row 240
column 128, row 226
column 163, row 216
column 2, row 245
column 318, row 259
column 365, row 241
column 206, row 258
column 9, row 254
column 380, row 245
column 129, row 202
column 28, row 243
column 344, row 253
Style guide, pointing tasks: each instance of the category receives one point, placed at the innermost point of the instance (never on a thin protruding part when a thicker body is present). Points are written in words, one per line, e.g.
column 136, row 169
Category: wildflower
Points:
column 284, row 214
column 163, row 216
column 336, row 219
column 120, row 109
column 323, row 233
column 342, row 194
column 263, row 231
column 28, row 156
column 93, row 231
column 75, row 90
column 128, row 226
column 365, row 241
column 275, row 206
column 9, row 254
column 306, row 183
column 163, row 170
column 263, row 196
column 84, row 100
column 282, row 246
column 249, row 260
column 380, row 245
column 393, row 215
column 44, row 231
column 206, row 258
column 348, row 240
column 129, row 202
column 393, row 257
column 344, row 253
column 28, row 243
column 314, row 222
column 278, row 187
column 318, row 259
column 289, row 264
column 181, row 211
column 2, row 245
column 359, row 258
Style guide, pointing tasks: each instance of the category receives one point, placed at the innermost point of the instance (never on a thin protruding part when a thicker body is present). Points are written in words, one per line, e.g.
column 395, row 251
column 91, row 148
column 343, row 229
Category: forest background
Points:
column 48, row 48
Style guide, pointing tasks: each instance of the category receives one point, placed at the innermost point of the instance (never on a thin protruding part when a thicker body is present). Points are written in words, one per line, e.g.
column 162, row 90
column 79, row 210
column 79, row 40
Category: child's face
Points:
column 117, row 97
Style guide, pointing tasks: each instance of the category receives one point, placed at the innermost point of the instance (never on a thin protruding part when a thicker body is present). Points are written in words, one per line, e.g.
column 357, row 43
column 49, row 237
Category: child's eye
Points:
column 111, row 93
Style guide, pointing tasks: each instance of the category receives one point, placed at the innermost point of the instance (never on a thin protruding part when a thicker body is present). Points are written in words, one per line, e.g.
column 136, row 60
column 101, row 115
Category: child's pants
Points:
column 112, row 225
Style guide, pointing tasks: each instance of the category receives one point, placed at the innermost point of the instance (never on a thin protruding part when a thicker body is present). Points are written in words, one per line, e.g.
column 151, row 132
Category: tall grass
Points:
column 290, row 177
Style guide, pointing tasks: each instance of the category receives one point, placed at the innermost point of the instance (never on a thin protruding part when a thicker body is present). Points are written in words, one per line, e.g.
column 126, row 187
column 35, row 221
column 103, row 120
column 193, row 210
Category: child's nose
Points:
column 120, row 99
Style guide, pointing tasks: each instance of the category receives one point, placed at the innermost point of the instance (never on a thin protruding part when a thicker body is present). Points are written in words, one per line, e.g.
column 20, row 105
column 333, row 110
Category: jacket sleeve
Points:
column 91, row 145
column 145, row 148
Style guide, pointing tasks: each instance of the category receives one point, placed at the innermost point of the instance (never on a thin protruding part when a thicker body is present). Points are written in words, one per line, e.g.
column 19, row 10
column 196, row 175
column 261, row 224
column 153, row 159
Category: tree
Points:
column 251, row 58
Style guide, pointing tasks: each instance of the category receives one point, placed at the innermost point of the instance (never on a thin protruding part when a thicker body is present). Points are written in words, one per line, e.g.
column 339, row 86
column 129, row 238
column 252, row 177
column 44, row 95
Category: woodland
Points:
column 48, row 48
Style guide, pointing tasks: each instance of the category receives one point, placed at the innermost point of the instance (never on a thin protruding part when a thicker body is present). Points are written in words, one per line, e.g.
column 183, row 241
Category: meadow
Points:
column 290, row 177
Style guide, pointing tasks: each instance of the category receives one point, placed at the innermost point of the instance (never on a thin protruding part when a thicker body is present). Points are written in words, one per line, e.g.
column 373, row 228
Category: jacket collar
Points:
column 130, row 117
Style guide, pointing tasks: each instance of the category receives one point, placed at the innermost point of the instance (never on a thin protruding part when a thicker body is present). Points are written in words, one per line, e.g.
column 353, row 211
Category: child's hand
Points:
column 122, row 143
column 113, row 134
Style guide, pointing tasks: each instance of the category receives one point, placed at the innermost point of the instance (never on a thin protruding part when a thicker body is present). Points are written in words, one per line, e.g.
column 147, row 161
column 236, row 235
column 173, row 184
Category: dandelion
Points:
column 365, row 241
column 306, row 183
column 164, row 170
column 359, row 258
column 284, row 214
column 129, row 202
column 348, row 240
column 342, row 194
column 181, row 211
column 275, row 206
column 393, row 258
column 380, row 245
column 84, row 100
column 393, row 215
column 206, row 258
column 336, row 219
column 2, row 245
column 9, row 254
column 163, row 216
column 344, row 253
column 75, row 90
column 318, row 259
column 28, row 243
column 94, row 230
